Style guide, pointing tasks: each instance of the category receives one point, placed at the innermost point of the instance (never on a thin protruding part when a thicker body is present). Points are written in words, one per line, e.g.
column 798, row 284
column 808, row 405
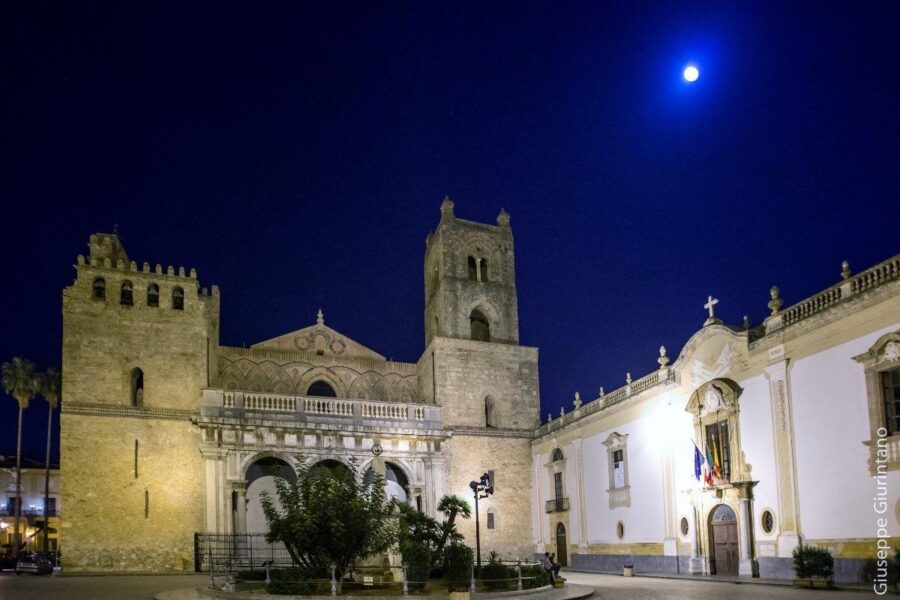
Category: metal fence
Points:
column 229, row 552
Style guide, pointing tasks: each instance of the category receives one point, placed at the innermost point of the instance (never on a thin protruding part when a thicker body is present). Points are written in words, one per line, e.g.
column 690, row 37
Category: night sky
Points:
column 296, row 154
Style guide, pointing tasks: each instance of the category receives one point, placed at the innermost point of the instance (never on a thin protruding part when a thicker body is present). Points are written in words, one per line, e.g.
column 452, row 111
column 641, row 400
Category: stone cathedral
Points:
column 719, row 460
column 165, row 432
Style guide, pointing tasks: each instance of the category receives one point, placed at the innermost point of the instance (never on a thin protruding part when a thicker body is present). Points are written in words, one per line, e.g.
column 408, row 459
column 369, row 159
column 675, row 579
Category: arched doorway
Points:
column 724, row 541
column 396, row 483
column 261, row 478
column 561, row 555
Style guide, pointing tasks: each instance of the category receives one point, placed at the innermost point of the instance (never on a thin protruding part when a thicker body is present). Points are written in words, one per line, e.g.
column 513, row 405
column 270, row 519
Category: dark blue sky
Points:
column 296, row 155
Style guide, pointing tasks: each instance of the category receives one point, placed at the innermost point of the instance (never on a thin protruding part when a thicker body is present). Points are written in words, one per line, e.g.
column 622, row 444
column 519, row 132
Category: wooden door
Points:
column 725, row 545
column 561, row 557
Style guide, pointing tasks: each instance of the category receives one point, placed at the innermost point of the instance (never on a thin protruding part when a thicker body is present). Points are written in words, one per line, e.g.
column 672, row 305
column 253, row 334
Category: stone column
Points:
column 747, row 566
column 240, row 509
column 697, row 563
column 578, row 507
column 785, row 463
column 210, row 460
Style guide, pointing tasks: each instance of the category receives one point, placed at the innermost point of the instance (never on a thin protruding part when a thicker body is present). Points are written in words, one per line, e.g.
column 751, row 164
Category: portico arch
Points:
column 259, row 477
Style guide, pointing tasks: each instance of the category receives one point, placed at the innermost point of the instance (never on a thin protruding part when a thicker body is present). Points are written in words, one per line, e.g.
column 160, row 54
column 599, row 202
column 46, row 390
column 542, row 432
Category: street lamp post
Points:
column 486, row 487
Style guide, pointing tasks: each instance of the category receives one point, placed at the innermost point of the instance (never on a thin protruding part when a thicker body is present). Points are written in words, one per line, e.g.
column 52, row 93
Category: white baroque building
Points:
column 793, row 426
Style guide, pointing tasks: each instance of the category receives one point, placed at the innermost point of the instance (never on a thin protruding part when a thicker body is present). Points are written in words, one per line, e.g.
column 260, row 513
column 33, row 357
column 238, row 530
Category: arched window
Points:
column 137, row 387
column 484, row 270
column 153, row 295
column 127, row 294
column 178, row 299
column 322, row 389
column 490, row 412
column 481, row 329
column 99, row 289
column 557, row 455
column 473, row 269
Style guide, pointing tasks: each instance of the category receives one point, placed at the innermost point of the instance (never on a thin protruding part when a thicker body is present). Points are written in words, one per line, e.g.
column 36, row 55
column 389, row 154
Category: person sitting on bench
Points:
column 548, row 566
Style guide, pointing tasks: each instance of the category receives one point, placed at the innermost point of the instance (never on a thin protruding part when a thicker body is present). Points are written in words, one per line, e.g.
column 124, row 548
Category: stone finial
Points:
column 577, row 401
column 146, row 267
column 602, row 393
column 320, row 317
column 628, row 378
column 181, row 271
column 562, row 411
column 845, row 270
column 170, row 270
column 120, row 264
column 663, row 360
column 80, row 259
column 158, row 269
column 776, row 301
column 133, row 266
column 503, row 218
column 746, row 322
column 447, row 208
column 549, row 417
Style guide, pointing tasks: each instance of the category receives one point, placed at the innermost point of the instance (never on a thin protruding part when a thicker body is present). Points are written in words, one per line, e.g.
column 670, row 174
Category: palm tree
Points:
column 19, row 381
column 452, row 506
column 50, row 388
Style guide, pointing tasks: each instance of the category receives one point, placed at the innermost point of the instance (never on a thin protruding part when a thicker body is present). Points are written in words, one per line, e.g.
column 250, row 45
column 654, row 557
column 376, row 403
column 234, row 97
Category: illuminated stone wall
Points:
column 116, row 521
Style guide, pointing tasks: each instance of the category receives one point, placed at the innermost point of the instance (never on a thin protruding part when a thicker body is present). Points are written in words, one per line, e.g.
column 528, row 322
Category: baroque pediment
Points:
column 321, row 339
column 713, row 352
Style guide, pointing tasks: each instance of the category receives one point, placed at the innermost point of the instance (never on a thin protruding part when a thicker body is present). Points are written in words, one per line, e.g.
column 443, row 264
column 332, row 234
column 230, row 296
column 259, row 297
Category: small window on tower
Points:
column 178, row 299
column 481, row 329
column 99, row 289
column 484, row 270
column 153, row 295
column 127, row 296
column 473, row 269
column 491, row 522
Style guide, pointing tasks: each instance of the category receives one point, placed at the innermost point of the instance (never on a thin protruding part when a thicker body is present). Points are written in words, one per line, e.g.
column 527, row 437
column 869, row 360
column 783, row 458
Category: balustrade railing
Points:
column 865, row 281
column 231, row 401
column 658, row 377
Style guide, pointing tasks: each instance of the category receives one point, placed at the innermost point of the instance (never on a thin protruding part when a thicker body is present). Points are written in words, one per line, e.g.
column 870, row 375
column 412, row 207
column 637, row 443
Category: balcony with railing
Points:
column 316, row 409
column 557, row 505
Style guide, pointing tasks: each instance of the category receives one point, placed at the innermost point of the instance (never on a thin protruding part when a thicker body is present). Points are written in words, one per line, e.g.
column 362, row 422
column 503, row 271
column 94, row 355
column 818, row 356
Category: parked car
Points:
column 36, row 565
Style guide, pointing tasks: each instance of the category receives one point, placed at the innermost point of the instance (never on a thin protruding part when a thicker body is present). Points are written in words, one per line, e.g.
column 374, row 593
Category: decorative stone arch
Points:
column 363, row 385
column 717, row 402
column 881, row 364
column 478, row 246
column 489, row 312
column 309, row 461
column 248, row 460
column 384, row 388
column 326, row 375
column 713, row 352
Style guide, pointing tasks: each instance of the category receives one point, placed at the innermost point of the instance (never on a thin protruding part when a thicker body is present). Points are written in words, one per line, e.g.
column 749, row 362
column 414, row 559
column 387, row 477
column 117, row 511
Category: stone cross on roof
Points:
column 710, row 304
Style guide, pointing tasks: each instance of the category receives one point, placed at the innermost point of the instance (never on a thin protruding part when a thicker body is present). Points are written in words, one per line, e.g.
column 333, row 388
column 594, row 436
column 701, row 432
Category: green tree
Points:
column 452, row 506
column 19, row 381
column 330, row 517
column 50, row 386
column 421, row 534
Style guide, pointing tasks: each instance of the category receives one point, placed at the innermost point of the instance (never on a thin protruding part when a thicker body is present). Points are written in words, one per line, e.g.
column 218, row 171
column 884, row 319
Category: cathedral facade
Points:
column 165, row 432
column 719, row 461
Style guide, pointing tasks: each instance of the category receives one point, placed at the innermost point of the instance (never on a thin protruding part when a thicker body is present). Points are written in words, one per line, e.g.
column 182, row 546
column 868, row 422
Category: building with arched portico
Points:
column 171, row 433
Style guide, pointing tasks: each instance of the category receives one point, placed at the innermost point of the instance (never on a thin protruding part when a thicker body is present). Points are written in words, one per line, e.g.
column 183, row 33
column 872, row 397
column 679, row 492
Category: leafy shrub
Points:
column 458, row 560
column 810, row 561
column 495, row 575
column 288, row 582
column 417, row 558
column 250, row 575
column 534, row 576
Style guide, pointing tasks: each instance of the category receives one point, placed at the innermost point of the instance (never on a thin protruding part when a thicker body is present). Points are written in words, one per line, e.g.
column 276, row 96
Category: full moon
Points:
column 691, row 73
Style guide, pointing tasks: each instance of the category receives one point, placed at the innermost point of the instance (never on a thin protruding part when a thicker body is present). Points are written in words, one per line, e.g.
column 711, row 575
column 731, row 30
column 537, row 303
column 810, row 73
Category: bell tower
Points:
column 470, row 280
column 475, row 370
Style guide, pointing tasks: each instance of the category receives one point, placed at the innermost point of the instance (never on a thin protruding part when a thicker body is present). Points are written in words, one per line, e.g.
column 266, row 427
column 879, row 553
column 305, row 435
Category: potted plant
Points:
column 813, row 567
